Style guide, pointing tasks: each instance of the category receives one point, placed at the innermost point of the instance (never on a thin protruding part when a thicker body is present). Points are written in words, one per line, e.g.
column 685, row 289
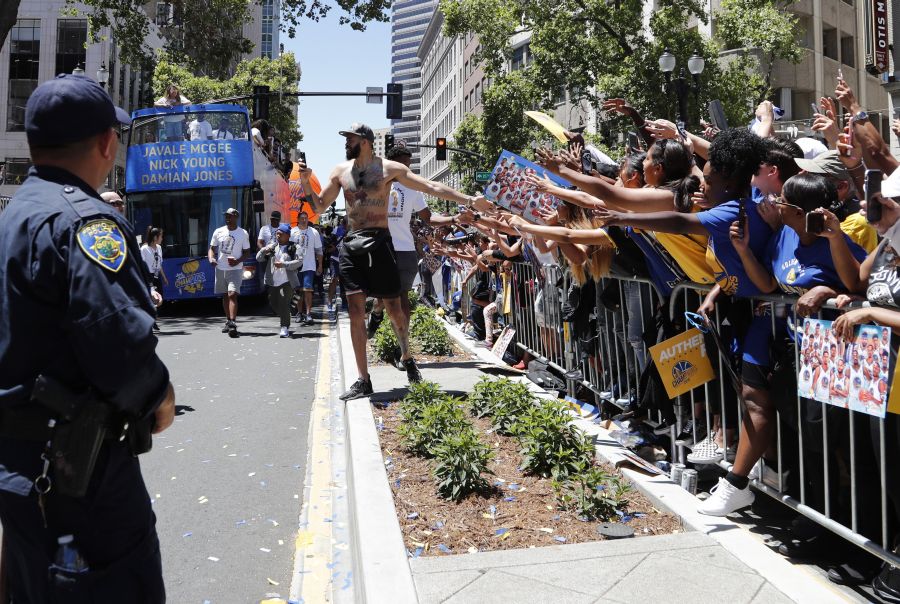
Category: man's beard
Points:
column 353, row 152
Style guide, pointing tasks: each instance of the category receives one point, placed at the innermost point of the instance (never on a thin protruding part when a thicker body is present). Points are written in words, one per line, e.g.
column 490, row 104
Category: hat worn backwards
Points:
column 231, row 212
column 284, row 228
column 69, row 108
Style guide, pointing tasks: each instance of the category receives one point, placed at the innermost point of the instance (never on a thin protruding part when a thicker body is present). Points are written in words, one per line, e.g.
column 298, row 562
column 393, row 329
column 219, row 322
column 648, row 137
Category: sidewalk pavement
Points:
column 691, row 567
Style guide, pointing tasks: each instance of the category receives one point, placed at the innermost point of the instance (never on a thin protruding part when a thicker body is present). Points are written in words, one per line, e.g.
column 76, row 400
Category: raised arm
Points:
column 320, row 202
column 407, row 177
column 664, row 222
column 617, row 198
column 562, row 234
column 876, row 152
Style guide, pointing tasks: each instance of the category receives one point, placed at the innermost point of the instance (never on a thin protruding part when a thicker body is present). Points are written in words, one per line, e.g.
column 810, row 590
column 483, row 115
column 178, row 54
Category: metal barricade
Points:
column 839, row 454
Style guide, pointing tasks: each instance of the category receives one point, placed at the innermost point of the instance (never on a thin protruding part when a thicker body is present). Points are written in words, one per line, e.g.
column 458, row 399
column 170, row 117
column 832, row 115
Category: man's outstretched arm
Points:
column 406, row 177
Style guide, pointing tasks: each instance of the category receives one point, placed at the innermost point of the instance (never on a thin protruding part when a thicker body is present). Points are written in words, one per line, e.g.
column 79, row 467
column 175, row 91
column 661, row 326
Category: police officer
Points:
column 74, row 307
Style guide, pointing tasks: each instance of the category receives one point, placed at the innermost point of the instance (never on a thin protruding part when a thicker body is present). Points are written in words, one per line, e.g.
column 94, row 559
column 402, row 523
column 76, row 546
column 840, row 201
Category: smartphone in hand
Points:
column 873, row 195
column 301, row 155
column 815, row 109
column 742, row 216
column 815, row 223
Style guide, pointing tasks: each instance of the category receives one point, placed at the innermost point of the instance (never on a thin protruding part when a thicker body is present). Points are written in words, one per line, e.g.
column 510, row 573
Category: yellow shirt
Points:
column 860, row 231
column 689, row 251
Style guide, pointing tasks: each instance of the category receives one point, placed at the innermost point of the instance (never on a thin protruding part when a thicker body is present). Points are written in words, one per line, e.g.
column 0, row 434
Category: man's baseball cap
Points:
column 828, row 163
column 284, row 228
column 276, row 214
column 231, row 212
column 69, row 108
column 359, row 130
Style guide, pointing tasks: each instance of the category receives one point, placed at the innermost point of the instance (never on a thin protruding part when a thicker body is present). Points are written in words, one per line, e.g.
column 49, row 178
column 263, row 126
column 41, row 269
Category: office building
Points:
column 409, row 20
column 378, row 145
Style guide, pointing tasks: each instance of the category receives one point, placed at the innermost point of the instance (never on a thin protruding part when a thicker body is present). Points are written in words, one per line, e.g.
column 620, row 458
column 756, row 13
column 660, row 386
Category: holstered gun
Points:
column 83, row 421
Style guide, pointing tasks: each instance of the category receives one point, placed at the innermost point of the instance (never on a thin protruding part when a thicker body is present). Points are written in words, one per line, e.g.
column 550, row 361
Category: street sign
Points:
column 374, row 95
column 482, row 177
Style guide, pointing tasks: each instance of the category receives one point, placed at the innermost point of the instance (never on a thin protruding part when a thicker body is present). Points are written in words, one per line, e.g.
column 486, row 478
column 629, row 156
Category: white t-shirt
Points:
column 200, row 131
column 309, row 243
column 152, row 258
column 279, row 275
column 222, row 135
column 402, row 202
column 230, row 243
column 267, row 234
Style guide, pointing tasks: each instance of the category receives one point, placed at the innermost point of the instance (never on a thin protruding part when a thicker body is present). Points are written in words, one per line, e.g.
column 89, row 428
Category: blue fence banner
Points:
column 189, row 165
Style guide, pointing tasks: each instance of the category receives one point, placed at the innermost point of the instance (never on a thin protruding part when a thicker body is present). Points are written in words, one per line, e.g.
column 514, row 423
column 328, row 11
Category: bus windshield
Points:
column 186, row 125
column 189, row 216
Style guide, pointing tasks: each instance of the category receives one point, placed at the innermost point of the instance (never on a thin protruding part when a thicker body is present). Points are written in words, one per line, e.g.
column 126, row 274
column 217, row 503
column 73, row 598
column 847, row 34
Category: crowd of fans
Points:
column 744, row 213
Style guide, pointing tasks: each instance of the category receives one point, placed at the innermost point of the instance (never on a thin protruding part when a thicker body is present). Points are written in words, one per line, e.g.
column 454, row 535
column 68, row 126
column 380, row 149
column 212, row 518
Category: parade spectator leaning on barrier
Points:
column 795, row 261
column 735, row 156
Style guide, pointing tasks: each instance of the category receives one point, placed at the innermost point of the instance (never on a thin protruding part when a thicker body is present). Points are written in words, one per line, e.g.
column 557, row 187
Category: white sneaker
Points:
column 284, row 333
column 705, row 452
column 725, row 498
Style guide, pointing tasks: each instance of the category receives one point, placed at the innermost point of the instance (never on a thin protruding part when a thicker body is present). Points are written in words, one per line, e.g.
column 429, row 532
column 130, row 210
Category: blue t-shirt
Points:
column 727, row 266
column 664, row 271
column 798, row 268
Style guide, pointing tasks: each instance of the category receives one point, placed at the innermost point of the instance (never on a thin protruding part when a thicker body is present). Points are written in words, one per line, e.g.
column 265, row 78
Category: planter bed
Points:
column 518, row 511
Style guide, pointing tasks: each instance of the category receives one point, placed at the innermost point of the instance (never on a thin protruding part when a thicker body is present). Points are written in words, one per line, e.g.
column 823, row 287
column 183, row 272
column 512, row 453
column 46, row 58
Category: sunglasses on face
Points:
column 779, row 201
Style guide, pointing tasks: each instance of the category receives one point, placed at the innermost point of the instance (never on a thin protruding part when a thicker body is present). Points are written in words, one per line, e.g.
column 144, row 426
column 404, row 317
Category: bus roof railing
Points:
column 207, row 108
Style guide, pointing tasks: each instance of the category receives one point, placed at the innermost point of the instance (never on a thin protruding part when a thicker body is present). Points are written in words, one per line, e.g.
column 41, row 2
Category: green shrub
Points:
column 420, row 396
column 510, row 404
column 593, row 493
column 483, row 395
column 385, row 341
column 460, row 460
column 428, row 334
column 440, row 419
column 551, row 445
column 413, row 297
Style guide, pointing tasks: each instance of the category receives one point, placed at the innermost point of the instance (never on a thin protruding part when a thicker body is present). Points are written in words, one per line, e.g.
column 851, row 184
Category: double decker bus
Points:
column 184, row 187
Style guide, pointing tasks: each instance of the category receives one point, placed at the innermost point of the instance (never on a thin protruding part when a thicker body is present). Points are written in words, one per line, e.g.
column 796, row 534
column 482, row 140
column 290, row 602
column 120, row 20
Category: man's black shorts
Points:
column 374, row 273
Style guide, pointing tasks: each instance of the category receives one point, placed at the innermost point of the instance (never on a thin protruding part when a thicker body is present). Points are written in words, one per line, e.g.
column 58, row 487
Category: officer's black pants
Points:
column 114, row 528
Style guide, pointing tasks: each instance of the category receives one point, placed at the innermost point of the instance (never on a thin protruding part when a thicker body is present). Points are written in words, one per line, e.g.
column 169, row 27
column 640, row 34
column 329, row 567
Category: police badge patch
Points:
column 104, row 243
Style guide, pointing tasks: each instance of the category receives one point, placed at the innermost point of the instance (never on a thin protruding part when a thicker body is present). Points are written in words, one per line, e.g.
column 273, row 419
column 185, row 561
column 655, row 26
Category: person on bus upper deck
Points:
column 175, row 122
column 222, row 132
column 200, row 129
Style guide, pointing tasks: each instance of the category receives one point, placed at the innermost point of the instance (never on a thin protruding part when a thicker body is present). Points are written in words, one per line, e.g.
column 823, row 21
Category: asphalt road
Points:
column 227, row 478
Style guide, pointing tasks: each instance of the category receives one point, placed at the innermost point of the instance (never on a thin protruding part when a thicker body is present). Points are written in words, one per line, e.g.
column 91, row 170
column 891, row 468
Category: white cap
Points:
column 891, row 185
column 65, row 539
column 811, row 147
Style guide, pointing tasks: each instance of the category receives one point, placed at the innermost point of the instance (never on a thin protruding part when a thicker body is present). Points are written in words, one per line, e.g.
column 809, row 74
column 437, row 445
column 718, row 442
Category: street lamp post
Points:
column 103, row 74
column 695, row 66
column 79, row 70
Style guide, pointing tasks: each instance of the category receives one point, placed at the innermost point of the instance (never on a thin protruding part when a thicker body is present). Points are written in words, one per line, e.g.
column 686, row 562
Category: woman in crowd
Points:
column 152, row 255
column 794, row 261
column 174, row 124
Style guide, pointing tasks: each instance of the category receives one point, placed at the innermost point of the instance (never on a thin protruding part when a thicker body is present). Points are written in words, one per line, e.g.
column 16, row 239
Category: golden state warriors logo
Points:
column 188, row 279
column 682, row 372
column 791, row 276
column 104, row 243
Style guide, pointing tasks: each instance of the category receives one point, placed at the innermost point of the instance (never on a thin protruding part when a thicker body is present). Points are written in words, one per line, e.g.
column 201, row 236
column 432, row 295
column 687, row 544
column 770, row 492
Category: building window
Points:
column 71, row 35
column 830, row 43
column 24, row 63
column 848, row 54
column 16, row 170
column 268, row 13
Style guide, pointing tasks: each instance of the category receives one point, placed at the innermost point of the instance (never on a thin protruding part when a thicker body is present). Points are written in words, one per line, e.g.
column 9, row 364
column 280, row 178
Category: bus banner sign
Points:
column 189, row 165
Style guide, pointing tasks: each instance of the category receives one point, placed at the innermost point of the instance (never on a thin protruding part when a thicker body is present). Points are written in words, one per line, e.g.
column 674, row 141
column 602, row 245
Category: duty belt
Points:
column 30, row 422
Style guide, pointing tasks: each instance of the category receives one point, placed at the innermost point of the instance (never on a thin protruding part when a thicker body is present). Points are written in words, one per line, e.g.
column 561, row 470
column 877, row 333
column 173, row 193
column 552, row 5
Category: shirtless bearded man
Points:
column 368, row 264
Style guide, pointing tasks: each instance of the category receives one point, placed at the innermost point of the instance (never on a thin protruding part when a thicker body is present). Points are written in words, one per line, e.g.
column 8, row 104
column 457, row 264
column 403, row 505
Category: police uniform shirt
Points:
column 73, row 297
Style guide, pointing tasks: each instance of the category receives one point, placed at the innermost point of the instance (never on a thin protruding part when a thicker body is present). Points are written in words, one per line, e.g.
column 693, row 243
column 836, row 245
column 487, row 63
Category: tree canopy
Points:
column 278, row 74
column 598, row 49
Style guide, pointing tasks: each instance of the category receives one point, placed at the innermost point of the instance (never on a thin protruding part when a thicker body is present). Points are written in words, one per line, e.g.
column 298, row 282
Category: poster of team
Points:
column 853, row 375
column 509, row 188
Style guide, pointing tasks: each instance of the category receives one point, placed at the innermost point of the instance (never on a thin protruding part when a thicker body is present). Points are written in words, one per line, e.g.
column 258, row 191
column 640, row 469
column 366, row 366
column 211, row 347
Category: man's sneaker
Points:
column 664, row 428
column 360, row 388
column 725, row 498
column 226, row 327
column 770, row 475
column 686, row 436
column 232, row 330
column 412, row 372
column 705, row 452
column 308, row 320
column 372, row 326
column 298, row 318
column 156, row 328
column 284, row 333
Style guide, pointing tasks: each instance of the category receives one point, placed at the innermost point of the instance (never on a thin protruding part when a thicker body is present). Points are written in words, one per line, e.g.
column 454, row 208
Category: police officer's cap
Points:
column 69, row 108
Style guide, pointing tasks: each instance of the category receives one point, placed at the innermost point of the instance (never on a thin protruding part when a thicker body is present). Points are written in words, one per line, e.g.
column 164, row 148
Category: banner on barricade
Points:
column 852, row 375
column 682, row 362
column 509, row 188
column 503, row 342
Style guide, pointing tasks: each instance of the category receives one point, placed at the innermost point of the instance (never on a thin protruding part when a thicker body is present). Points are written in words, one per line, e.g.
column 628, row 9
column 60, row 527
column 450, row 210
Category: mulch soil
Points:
column 519, row 511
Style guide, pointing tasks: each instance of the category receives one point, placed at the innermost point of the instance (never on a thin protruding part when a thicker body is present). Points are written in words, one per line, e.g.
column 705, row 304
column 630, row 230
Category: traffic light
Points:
column 260, row 102
column 440, row 147
column 388, row 142
column 395, row 102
